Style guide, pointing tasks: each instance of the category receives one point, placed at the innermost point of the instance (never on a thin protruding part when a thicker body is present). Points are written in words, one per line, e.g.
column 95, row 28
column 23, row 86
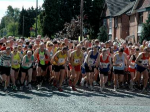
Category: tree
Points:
column 26, row 21
column 9, row 22
column 145, row 35
column 102, row 35
column 52, row 19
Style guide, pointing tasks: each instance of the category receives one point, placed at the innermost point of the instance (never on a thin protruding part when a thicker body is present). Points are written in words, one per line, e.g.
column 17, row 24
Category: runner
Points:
column 105, row 68
column 15, row 67
column 6, row 58
column 26, row 69
column 142, row 66
column 59, row 64
column 76, row 62
column 91, row 61
column 119, row 62
column 42, row 56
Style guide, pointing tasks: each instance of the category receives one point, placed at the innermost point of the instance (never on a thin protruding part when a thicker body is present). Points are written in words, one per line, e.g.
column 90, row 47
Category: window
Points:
column 140, row 18
column 105, row 22
column 116, row 22
column 110, row 28
column 110, row 23
column 148, row 14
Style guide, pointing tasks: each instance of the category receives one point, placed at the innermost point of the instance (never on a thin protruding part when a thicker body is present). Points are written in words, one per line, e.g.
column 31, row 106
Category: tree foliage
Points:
column 26, row 21
column 102, row 35
column 145, row 35
column 58, row 12
column 9, row 23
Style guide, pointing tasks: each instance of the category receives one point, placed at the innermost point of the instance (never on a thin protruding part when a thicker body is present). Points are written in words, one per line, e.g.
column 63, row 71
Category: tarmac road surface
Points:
column 83, row 100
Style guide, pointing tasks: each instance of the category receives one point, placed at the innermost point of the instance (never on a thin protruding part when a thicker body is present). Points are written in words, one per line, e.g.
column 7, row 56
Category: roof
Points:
column 115, row 6
column 127, row 9
column 143, row 4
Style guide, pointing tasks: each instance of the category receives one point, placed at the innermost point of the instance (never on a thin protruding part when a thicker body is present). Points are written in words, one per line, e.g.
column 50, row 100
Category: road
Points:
column 83, row 100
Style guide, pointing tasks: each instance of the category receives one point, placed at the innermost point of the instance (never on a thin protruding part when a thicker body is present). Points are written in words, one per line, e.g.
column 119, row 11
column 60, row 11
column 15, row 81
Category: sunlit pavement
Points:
column 51, row 100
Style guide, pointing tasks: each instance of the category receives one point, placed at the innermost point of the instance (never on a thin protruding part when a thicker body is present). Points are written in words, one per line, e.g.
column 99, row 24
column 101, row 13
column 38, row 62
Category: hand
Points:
column 120, row 64
column 90, row 67
column 101, row 66
column 146, row 66
column 109, row 72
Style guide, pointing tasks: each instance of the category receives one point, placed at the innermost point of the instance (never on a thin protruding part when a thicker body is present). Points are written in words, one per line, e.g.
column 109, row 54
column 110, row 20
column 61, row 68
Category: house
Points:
column 124, row 18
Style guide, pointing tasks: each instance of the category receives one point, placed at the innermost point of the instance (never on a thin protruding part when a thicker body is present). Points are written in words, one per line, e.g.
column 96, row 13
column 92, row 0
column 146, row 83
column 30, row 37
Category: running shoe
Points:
column 60, row 89
column 91, row 88
column 21, row 88
column 30, row 87
column 14, row 88
column 73, row 88
column 38, row 87
column 70, row 83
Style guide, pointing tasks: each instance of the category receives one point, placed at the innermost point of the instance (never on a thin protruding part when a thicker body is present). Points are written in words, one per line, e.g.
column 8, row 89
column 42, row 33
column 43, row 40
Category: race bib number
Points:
column 6, row 63
column 61, row 61
column 132, row 66
column 145, row 62
column 76, row 61
column 15, row 62
column 104, row 65
column 91, row 61
column 42, row 57
column 29, row 65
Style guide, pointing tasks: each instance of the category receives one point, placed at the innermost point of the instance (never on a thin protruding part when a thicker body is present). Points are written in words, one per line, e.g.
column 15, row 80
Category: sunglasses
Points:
column 137, row 49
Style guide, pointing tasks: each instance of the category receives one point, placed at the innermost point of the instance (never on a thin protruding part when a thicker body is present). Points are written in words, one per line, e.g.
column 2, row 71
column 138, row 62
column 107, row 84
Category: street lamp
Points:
column 81, row 19
column 36, row 17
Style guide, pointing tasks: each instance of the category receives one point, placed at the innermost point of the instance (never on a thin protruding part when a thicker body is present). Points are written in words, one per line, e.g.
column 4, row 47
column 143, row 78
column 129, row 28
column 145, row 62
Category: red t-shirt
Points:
column 4, row 48
column 126, row 51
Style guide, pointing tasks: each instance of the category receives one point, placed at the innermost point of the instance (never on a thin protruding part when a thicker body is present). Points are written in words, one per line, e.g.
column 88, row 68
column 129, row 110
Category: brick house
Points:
column 124, row 18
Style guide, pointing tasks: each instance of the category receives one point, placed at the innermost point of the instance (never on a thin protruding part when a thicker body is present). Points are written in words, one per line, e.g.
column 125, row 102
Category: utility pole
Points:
column 23, row 27
column 36, row 17
column 81, row 19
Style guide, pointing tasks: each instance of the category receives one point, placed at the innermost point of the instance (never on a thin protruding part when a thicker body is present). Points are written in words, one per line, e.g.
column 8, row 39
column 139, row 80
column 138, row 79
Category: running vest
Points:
column 104, row 63
column 92, row 59
column 41, row 56
column 16, row 59
column 77, row 59
column 133, row 61
column 120, row 60
column 61, row 59
column 30, row 64
column 6, row 60
column 144, row 60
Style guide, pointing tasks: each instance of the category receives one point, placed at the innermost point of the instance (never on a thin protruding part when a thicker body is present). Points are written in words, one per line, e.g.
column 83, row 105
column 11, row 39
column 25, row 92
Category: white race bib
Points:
column 42, row 57
column 145, row 62
column 104, row 65
column 29, row 65
column 76, row 61
column 6, row 63
column 15, row 62
column 61, row 61
column 91, row 61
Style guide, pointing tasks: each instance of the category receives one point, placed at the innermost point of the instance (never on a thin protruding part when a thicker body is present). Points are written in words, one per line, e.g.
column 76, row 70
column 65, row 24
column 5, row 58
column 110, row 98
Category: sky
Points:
column 17, row 4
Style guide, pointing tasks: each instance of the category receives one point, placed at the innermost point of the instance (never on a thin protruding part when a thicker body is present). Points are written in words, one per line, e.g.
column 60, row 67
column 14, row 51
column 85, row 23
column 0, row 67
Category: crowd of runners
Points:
column 87, row 63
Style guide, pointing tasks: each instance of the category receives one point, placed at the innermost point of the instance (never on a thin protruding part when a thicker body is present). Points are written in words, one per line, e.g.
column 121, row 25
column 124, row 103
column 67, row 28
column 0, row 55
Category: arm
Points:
column 82, row 59
column 138, row 59
column 114, row 61
column 48, row 54
column 110, row 63
column 127, row 60
column 72, row 58
column 55, row 56
column 1, row 52
column 88, row 57
column 98, row 60
column 35, row 54
column 24, row 60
